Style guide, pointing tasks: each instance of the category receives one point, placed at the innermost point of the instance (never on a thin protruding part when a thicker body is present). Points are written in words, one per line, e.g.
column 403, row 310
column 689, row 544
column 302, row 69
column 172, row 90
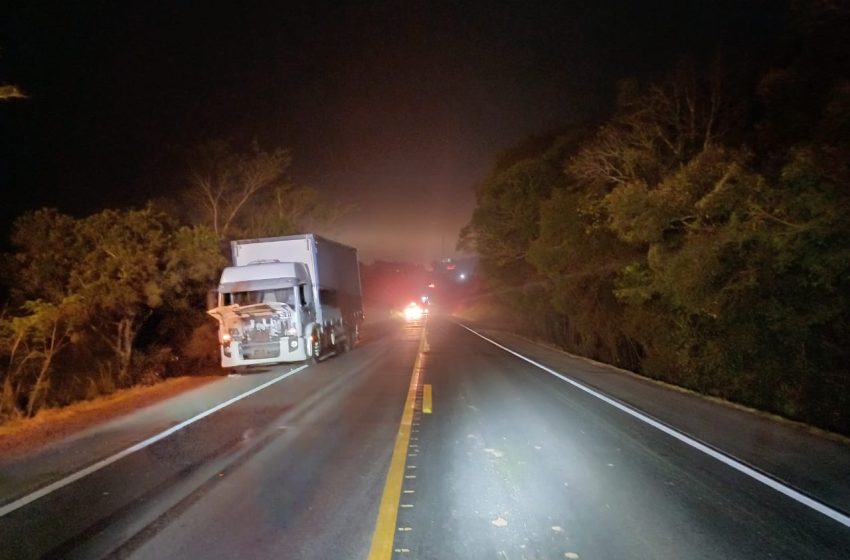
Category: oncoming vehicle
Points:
column 414, row 312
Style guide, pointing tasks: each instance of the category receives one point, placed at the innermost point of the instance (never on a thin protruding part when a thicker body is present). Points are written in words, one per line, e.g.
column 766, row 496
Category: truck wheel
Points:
column 348, row 342
column 317, row 348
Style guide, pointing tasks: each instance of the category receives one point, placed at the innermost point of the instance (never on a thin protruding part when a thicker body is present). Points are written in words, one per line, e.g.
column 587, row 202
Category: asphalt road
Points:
column 512, row 463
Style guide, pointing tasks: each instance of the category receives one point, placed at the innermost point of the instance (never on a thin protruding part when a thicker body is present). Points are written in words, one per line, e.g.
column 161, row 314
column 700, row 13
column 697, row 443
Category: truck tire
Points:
column 348, row 342
column 316, row 347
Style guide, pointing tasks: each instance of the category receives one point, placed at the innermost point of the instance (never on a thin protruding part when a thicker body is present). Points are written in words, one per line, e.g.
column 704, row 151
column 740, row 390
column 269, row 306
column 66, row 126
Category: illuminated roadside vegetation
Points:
column 699, row 235
column 118, row 298
column 99, row 303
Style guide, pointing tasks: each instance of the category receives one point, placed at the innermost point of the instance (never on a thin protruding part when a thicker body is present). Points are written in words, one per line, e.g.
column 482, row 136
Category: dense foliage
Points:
column 84, row 290
column 699, row 235
column 118, row 298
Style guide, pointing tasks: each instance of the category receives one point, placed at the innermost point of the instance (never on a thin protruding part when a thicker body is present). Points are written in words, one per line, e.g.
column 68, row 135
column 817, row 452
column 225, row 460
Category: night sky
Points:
column 397, row 107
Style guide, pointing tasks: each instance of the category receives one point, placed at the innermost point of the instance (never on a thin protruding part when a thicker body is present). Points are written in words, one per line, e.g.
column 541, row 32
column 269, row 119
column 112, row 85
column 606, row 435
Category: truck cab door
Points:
column 305, row 304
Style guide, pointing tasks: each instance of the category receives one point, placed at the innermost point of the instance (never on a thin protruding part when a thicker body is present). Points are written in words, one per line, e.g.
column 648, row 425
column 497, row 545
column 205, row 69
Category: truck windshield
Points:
column 281, row 295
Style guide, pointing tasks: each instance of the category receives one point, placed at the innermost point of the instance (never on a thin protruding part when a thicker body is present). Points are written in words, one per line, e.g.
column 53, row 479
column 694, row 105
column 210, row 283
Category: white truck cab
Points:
column 287, row 299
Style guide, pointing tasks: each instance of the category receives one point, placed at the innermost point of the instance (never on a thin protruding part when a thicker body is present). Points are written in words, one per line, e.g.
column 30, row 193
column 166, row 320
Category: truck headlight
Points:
column 291, row 331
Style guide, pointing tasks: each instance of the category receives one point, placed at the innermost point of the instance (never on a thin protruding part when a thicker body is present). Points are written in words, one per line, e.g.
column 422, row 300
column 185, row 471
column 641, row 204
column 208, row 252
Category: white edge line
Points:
column 71, row 478
column 711, row 452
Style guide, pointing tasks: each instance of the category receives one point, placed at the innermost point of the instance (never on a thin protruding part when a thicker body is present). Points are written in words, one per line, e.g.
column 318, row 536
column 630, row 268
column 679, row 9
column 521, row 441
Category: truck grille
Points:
column 260, row 336
column 263, row 329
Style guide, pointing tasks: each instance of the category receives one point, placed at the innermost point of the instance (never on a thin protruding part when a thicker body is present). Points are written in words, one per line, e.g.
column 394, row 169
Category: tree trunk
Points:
column 52, row 345
column 38, row 394
column 124, row 348
column 9, row 399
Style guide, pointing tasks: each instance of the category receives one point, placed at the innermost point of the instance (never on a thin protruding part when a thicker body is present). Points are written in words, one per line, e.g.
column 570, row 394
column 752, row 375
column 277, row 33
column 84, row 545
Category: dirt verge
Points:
column 22, row 436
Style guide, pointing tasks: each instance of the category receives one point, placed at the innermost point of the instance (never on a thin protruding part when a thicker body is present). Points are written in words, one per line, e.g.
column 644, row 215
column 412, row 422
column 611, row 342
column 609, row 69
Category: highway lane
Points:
column 512, row 463
column 814, row 462
column 293, row 471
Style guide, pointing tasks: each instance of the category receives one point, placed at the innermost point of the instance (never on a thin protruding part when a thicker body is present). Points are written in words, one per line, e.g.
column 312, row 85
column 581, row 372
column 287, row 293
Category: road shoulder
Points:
column 25, row 436
column 810, row 461
column 74, row 438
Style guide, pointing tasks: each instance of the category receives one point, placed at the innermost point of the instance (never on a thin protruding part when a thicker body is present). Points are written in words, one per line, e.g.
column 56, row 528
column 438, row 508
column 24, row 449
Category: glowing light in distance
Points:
column 413, row 312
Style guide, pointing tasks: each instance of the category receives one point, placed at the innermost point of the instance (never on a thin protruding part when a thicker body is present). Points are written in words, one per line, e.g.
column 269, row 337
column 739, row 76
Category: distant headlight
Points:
column 413, row 312
column 226, row 338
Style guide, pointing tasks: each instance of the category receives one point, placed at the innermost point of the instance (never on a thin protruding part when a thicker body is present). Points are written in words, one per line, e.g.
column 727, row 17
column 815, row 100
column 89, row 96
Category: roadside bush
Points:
column 152, row 365
column 200, row 351
column 88, row 300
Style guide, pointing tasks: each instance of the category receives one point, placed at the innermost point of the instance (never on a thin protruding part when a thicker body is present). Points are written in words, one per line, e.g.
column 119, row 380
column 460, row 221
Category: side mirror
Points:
column 212, row 299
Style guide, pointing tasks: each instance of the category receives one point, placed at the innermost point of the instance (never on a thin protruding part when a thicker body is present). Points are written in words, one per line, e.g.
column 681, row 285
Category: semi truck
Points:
column 287, row 299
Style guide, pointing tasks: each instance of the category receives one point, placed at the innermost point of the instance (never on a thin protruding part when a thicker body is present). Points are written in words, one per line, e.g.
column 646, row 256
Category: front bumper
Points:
column 287, row 349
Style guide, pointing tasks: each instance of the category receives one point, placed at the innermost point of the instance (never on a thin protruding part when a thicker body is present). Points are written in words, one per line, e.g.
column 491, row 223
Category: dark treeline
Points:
column 118, row 298
column 701, row 234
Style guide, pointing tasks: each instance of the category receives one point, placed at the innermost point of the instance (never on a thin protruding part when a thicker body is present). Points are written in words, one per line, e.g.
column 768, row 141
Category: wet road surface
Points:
column 510, row 463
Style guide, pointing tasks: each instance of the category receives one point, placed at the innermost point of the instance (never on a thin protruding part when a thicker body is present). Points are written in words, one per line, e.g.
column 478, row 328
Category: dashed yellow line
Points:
column 426, row 400
column 385, row 525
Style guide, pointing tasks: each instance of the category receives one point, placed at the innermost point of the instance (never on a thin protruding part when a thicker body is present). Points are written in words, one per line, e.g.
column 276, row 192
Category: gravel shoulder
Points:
column 21, row 437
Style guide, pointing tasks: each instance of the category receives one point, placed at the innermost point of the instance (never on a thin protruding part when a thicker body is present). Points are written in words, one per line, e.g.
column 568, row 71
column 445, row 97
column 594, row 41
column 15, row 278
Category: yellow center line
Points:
column 426, row 400
column 385, row 525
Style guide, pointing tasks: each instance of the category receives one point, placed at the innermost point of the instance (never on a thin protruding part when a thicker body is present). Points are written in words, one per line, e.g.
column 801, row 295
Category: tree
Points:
column 8, row 92
column 700, row 235
column 46, row 250
column 223, row 181
column 288, row 209
column 97, row 281
column 737, row 278
column 659, row 127
column 135, row 261
column 506, row 218
column 580, row 263
column 31, row 344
